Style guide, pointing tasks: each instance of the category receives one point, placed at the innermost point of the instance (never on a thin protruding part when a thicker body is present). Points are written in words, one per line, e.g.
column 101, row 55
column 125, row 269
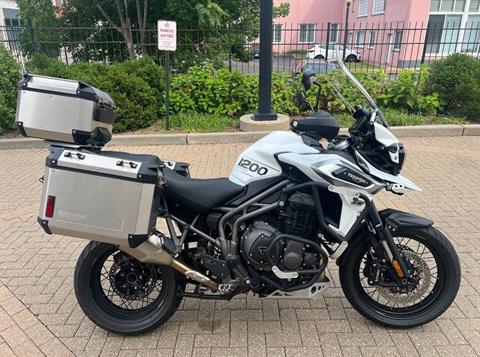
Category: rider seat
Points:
column 199, row 194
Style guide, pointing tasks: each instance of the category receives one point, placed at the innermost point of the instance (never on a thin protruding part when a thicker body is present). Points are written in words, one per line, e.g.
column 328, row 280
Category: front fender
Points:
column 399, row 219
column 394, row 219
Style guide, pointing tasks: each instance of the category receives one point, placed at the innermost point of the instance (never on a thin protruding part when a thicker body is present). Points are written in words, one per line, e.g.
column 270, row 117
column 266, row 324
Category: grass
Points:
column 399, row 118
column 202, row 123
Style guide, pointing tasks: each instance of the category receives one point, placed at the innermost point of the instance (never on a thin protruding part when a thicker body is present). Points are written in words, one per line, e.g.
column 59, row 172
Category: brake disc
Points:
column 416, row 287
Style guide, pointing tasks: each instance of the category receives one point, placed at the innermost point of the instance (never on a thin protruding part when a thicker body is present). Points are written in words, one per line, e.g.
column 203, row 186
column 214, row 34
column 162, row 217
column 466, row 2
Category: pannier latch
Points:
column 132, row 164
column 80, row 156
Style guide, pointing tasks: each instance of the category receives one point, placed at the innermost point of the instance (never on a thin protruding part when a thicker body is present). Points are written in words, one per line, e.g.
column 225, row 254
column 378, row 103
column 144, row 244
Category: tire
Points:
column 351, row 58
column 435, row 302
column 319, row 57
column 104, row 313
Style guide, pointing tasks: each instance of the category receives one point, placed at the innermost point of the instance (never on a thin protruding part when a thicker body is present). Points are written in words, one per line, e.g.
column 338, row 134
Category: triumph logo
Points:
column 72, row 217
column 262, row 250
column 356, row 178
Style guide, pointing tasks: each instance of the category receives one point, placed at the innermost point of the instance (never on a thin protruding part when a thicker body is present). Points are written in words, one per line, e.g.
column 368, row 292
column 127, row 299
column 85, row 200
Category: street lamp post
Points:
column 265, row 111
column 345, row 38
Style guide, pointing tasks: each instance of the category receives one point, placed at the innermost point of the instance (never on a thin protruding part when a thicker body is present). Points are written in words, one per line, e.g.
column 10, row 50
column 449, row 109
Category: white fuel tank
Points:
column 258, row 162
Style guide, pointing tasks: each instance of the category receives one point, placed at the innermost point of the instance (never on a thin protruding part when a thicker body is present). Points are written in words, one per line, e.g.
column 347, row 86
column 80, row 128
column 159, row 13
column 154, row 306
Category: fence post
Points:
column 229, row 38
column 328, row 44
column 32, row 35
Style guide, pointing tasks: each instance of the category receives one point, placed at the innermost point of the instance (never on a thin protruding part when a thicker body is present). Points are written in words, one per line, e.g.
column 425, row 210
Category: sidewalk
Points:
column 39, row 313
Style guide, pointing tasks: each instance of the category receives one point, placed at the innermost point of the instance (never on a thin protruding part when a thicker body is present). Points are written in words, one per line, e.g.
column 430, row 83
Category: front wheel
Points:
column 434, row 284
column 123, row 295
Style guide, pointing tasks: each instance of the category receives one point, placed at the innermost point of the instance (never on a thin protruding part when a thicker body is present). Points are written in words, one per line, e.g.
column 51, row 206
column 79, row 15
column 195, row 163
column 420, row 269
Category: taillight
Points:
column 50, row 206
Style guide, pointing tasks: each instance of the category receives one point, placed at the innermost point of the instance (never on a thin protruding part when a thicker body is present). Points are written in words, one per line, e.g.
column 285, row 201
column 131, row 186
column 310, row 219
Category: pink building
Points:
column 393, row 32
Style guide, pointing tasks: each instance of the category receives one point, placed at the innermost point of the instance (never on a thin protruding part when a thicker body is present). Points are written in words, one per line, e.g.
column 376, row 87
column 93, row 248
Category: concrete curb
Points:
column 241, row 137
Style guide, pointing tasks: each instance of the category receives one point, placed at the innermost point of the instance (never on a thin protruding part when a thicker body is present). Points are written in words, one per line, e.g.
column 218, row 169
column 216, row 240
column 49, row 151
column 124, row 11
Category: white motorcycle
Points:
column 290, row 205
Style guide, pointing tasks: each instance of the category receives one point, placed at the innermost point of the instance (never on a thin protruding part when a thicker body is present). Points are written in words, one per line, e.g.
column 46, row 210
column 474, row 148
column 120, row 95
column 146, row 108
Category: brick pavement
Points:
column 39, row 314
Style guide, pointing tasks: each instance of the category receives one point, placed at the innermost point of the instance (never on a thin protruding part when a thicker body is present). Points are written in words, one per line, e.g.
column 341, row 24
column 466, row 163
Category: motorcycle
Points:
column 291, row 204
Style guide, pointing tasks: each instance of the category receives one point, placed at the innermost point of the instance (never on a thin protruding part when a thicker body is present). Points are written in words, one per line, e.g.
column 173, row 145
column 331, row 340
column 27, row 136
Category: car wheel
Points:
column 319, row 57
column 351, row 58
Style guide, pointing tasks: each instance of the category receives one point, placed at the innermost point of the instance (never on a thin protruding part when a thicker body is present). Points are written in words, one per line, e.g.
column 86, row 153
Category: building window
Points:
column 371, row 42
column 471, row 37
column 307, row 33
column 334, row 33
column 363, row 8
column 277, row 33
column 442, row 33
column 474, row 6
column 378, row 7
column 360, row 39
column 448, row 5
column 12, row 28
column 398, row 40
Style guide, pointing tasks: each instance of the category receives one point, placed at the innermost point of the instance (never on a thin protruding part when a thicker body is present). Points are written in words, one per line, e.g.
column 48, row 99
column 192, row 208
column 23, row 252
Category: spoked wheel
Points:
column 432, row 287
column 123, row 295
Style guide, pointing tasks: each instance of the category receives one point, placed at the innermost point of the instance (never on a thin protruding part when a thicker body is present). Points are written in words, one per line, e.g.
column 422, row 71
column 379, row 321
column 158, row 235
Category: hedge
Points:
column 137, row 86
column 9, row 77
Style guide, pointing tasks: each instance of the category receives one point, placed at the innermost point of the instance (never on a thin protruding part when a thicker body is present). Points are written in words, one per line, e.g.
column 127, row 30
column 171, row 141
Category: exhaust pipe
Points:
column 193, row 274
column 151, row 251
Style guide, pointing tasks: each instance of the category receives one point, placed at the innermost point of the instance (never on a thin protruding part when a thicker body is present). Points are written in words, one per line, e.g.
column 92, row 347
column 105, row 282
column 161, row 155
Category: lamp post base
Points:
column 263, row 117
column 279, row 122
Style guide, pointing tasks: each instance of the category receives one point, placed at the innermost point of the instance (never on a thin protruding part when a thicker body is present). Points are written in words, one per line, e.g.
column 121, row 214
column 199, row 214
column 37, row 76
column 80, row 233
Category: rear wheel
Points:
column 434, row 284
column 319, row 57
column 123, row 295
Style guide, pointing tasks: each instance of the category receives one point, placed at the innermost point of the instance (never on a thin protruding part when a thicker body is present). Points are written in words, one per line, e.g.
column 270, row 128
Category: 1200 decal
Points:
column 253, row 166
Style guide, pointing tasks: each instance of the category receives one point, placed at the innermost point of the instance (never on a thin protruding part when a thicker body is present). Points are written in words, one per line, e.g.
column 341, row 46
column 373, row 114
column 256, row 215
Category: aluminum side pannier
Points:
column 112, row 198
column 63, row 110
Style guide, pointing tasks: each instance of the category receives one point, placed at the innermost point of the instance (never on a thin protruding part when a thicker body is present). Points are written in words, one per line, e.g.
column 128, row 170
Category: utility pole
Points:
column 265, row 111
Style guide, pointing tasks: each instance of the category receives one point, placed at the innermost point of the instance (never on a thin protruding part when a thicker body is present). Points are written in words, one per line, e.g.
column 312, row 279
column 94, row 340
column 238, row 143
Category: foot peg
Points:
column 339, row 251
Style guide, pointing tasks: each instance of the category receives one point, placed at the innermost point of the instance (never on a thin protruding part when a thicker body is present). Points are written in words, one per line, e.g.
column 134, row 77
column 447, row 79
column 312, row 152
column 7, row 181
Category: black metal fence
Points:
column 368, row 47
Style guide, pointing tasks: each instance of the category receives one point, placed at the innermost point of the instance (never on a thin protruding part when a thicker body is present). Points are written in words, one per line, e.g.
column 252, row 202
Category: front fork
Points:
column 385, row 240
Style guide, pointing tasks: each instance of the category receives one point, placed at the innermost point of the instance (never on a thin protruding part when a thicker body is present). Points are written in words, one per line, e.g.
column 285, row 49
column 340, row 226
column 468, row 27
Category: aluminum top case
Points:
column 64, row 111
column 111, row 197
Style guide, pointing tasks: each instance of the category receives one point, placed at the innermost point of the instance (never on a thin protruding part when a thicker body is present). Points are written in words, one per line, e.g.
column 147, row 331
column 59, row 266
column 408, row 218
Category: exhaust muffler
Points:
column 151, row 251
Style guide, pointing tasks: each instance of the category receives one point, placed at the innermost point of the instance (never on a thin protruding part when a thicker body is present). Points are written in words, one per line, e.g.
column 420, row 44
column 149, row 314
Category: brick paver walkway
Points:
column 39, row 313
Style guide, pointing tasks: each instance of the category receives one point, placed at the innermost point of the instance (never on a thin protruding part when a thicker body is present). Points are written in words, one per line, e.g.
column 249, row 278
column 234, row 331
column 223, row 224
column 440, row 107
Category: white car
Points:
column 319, row 52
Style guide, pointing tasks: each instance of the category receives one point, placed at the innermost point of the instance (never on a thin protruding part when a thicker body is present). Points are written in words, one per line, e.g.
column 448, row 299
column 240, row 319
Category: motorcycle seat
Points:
column 199, row 194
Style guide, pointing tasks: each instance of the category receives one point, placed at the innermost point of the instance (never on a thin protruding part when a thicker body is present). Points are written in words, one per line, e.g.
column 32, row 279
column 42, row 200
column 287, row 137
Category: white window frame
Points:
column 358, row 43
column 334, row 28
column 376, row 4
column 397, row 46
column 362, row 8
column 300, row 33
column 280, row 26
column 373, row 35
column 453, row 11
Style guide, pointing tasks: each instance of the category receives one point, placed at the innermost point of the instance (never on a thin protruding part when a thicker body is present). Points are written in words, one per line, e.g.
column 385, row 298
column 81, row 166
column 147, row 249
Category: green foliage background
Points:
column 456, row 79
column 9, row 77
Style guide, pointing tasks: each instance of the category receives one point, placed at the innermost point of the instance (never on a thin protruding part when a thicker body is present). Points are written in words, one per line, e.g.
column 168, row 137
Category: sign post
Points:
column 167, row 41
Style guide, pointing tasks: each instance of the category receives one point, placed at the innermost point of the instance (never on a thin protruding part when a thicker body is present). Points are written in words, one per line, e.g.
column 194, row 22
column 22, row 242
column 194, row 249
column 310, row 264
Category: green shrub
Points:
column 9, row 77
column 400, row 118
column 329, row 98
column 136, row 86
column 406, row 93
column 457, row 81
column 204, row 89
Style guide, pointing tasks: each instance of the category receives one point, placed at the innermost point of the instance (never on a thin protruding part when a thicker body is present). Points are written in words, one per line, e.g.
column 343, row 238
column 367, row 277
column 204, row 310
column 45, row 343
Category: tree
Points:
column 95, row 30
column 39, row 34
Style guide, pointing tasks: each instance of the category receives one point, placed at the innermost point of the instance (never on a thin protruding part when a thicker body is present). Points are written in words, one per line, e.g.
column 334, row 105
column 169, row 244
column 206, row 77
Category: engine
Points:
column 287, row 240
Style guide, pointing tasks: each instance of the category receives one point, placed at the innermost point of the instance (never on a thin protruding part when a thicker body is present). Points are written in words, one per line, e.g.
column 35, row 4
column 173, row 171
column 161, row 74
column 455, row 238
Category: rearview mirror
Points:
column 307, row 78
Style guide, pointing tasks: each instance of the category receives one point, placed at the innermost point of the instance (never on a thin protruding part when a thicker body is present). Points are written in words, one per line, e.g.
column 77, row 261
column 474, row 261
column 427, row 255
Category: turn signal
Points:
column 50, row 206
column 397, row 268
